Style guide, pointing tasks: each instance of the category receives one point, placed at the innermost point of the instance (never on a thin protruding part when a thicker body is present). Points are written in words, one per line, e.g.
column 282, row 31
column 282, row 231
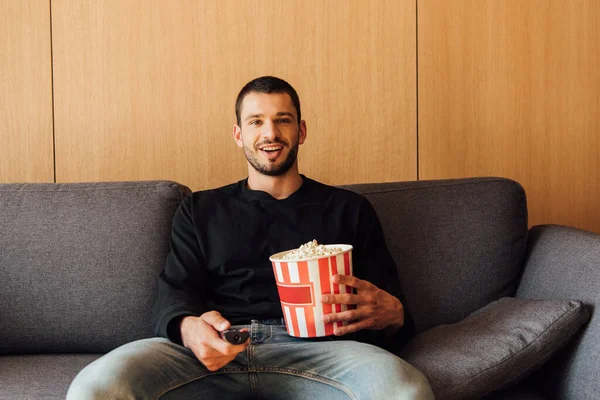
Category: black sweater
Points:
column 221, row 241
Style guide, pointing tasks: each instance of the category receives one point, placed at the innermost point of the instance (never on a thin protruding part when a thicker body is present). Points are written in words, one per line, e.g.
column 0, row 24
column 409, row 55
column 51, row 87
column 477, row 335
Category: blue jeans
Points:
column 274, row 366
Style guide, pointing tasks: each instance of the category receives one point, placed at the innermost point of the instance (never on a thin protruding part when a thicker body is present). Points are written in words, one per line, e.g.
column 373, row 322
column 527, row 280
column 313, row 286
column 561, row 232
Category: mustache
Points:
column 276, row 141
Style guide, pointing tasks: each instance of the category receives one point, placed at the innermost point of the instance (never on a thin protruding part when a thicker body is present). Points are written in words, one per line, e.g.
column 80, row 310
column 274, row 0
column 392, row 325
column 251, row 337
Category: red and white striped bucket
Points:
column 301, row 282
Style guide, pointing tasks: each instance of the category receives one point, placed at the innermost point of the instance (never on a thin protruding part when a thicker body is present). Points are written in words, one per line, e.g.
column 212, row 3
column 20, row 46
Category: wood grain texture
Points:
column 146, row 89
column 26, row 153
column 511, row 88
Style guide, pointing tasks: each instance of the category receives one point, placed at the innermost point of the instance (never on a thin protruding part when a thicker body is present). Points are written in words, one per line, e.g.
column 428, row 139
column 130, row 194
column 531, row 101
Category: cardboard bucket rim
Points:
column 277, row 256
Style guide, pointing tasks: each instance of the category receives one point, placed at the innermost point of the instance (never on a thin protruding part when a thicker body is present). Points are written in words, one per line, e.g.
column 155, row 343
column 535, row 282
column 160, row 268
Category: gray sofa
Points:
column 493, row 302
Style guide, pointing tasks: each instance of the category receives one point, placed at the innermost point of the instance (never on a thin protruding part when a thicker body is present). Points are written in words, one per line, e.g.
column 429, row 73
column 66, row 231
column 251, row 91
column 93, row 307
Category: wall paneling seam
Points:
column 52, row 84
column 417, row 80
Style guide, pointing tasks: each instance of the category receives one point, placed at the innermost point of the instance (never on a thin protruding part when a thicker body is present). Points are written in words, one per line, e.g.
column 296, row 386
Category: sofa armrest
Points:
column 564, row 263
column 561, row 262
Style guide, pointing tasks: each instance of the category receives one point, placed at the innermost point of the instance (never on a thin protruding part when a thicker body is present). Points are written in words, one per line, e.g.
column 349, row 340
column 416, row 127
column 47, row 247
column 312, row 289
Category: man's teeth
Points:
column 271, row 148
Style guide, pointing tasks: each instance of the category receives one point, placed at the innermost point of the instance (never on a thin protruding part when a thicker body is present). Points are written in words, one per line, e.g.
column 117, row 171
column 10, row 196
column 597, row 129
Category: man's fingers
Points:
column 217, row 363
column 358, row 299
column 352, row 281
column 218, row 349
column 201, row 335
column 216, row 320
column 351, row 328
column 226, row 348
column 350, row 315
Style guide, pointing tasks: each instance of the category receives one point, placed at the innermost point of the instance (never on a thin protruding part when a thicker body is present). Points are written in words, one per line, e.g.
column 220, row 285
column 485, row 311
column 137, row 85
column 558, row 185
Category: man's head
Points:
column 267, row 84
column 268, row 126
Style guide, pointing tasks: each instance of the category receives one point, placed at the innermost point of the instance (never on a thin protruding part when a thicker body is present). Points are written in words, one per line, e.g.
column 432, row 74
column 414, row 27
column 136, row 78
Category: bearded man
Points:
column 218, row 276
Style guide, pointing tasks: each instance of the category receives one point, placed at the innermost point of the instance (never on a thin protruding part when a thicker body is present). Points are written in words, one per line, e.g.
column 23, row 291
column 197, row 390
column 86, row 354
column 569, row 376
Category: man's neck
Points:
column 280, row 187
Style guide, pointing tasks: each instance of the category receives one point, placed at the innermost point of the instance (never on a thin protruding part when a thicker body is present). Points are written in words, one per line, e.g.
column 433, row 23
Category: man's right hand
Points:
column 201, row 335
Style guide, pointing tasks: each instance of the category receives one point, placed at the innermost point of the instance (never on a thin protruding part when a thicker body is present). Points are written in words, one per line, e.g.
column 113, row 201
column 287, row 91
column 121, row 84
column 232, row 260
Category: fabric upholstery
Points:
column 79, row 263
column 458, row 244
column 564, row 262
column 496, row 346
column 519, row 392
column 47, row 376
column 78, row 268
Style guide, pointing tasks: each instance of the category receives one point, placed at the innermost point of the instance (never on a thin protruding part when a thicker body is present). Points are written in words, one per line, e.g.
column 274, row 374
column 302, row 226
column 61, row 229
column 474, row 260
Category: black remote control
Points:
column 234, row 336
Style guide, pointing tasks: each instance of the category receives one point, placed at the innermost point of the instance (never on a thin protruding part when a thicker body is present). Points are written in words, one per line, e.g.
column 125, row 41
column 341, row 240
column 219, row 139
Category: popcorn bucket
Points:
column 302, row 281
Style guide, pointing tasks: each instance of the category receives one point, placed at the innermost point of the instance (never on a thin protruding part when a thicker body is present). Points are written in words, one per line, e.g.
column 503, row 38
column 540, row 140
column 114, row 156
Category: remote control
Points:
column 234, row 336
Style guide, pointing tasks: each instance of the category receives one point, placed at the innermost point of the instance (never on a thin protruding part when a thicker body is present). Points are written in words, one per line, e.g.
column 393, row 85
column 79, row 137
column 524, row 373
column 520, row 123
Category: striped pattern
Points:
column 295, row 278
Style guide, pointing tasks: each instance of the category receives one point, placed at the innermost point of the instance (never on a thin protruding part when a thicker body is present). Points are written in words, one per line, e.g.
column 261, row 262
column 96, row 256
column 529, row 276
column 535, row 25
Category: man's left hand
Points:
column 375, row 308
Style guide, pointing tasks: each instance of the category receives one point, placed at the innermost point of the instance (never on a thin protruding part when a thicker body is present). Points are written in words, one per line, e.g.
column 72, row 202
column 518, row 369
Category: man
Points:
column 218, row 275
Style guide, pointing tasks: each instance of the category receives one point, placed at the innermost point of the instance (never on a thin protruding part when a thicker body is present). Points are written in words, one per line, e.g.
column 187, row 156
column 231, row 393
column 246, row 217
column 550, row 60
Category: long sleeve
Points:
column 182, row 283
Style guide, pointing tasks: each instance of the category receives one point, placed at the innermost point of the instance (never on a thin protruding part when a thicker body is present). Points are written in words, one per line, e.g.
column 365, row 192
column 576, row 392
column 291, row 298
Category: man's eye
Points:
column 255, row 122
column 284, row 120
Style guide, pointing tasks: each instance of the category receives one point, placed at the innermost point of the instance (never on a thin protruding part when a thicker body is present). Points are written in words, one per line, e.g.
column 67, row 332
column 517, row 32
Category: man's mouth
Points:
column 272, row 149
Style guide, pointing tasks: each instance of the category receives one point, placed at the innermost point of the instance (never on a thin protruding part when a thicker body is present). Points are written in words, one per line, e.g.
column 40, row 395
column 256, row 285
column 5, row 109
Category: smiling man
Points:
column 271, row 136
column 218, row 276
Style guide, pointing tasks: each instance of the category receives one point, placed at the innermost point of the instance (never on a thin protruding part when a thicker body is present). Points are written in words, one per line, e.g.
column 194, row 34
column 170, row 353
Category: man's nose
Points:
column 270, row 130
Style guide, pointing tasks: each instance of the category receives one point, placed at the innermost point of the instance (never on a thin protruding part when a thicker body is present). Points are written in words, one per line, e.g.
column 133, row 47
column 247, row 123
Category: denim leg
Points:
column 275, row 366
column 288, row 368
column 153, row 368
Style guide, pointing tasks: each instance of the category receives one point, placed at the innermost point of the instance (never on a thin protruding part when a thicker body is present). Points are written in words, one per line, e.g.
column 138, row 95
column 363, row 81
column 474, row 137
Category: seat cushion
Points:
column 495, row 347
column 79, row 263
column 47, row 377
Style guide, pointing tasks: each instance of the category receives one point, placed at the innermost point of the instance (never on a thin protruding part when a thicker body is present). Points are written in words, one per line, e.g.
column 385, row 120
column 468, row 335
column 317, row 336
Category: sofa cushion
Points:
column 40, row 376
column 79, row 263
column 458, row 244
column 494, row 347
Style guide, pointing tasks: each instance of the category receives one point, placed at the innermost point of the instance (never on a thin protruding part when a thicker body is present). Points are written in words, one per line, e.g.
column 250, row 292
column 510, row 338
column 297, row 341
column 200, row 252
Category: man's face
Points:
column 269, row 133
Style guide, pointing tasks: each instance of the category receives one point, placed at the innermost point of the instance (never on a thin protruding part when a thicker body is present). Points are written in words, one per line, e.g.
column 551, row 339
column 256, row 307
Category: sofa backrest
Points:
column 458, row 244
column 79, row 263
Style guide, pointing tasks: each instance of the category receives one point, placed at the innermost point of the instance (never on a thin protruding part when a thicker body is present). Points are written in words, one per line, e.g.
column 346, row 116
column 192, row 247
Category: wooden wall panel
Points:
column 145, row 89
column 26, row 153
column 512, row 88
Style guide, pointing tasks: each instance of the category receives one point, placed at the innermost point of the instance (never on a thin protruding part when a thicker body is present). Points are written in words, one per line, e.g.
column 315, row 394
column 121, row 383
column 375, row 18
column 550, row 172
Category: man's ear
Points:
column 302, row 128
column 237, row 135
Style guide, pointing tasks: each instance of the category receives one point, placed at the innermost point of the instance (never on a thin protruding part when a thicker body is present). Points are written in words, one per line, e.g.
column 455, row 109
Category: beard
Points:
column 272, row 168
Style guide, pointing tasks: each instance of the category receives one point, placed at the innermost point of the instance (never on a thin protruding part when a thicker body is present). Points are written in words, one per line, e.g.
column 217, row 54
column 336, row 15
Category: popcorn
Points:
column 310, row 250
